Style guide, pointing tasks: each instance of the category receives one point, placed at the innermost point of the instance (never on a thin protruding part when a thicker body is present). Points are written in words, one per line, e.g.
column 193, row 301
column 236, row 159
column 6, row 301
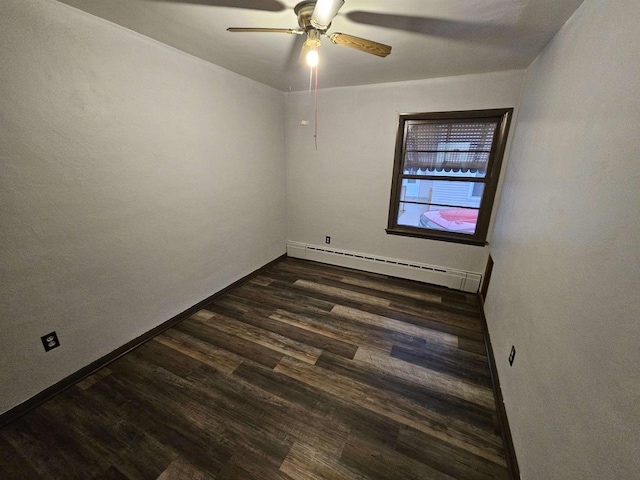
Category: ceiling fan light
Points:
column 313, row 58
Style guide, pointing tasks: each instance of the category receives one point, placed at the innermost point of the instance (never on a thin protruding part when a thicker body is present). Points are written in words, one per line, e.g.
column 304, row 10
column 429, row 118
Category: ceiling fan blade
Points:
column 293, row 58
column 361, row 44
column 291, row 31
column 324, row 12
column 265, row 5
column 435, row 27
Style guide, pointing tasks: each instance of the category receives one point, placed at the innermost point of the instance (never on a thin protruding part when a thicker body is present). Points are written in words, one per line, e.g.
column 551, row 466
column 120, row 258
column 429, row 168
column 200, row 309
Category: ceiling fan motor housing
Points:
column 304, row 11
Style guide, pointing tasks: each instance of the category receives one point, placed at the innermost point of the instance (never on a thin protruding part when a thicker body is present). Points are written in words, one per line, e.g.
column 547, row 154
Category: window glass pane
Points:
column 442, row 192
column 448, row 147
column 432, row 217
column 476, row 190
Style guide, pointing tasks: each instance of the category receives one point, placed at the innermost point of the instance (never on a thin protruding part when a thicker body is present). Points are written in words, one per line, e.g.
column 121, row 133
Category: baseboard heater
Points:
column 447, row 277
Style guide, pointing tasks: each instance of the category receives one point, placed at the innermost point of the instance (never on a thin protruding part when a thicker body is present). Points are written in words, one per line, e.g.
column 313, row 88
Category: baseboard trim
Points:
column 67, row 382
column 510, row 452
column 420, row 272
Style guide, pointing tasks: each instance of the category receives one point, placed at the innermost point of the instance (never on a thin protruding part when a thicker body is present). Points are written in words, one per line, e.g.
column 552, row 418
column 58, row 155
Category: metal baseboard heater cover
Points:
column 447, row 277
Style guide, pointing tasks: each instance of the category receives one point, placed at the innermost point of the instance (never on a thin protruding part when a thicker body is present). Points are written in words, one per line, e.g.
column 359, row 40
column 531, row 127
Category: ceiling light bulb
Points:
column 312, row 58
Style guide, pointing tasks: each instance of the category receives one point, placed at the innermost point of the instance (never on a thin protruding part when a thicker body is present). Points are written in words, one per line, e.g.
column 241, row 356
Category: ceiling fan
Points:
column 314, row 19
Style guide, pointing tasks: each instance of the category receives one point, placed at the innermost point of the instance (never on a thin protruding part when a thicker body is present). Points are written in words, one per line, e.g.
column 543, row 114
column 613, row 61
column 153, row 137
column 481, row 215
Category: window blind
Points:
column 444, row 147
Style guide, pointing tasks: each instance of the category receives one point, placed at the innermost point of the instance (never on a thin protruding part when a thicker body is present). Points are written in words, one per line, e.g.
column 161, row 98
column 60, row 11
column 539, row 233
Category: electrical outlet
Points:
column 50, row 341
column 327, row 240
column 512, row 355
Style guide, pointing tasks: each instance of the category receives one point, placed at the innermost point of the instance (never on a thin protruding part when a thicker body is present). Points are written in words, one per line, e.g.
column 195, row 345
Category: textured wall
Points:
column 135, row 181
column 343, row 188
column 565, row 288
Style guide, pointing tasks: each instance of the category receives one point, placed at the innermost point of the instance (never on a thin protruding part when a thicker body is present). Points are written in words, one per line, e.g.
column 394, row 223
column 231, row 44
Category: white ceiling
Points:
column 430, row 38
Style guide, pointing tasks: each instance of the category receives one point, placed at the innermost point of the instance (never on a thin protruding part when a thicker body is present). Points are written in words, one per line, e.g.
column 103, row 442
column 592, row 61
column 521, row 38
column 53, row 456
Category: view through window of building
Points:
column 446, row 173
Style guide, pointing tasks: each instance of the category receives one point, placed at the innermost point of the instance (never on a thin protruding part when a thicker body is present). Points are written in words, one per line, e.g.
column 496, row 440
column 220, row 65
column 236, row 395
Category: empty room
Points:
column 322, row 239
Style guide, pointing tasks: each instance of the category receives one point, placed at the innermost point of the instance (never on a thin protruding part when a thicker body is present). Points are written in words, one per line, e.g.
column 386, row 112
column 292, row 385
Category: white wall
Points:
column 342, row 189
column 135, row 181
column 566, row 244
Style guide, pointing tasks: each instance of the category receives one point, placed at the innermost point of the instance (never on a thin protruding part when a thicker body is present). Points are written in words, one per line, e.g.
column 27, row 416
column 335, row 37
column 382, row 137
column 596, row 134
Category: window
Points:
column 446, row 173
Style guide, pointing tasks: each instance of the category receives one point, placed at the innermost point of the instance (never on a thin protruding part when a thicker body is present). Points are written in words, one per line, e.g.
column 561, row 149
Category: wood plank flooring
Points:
column 307, row 371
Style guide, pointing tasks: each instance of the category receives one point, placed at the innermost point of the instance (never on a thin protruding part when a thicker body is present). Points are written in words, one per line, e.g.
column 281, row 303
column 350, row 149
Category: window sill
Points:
column 433, row 235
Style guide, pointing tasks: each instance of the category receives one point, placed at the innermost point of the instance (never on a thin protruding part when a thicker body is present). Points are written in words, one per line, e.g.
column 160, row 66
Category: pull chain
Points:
column 315, row 133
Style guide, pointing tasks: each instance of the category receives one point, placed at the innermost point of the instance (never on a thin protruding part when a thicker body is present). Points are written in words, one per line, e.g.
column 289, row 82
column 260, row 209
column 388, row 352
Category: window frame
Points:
column 502, row 116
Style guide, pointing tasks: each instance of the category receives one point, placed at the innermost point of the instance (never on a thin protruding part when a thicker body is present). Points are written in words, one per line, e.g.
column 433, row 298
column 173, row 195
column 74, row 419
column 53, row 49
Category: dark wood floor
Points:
column 306, row 372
